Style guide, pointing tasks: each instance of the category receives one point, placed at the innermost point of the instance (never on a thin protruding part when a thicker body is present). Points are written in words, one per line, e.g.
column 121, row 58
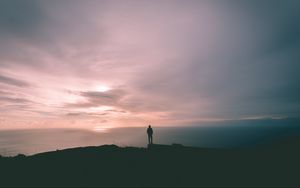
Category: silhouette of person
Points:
column 150, row 133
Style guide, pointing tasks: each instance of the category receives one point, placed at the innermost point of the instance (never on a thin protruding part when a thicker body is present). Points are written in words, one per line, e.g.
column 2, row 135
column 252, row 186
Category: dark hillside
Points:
column 275, row 164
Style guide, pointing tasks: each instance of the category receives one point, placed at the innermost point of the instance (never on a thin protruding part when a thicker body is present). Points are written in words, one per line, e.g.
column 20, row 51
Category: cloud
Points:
column 170, row 60
column 77, row 114
column 14, row 100
column 96, row 98
column 19, row 17
column 13, row 81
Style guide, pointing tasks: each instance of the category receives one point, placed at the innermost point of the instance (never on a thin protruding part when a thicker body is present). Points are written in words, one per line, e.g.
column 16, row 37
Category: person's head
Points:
column 149, row 126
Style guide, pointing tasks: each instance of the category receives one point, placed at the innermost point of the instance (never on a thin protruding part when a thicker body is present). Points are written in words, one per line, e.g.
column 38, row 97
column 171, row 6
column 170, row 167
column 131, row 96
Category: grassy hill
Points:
column 275, row 164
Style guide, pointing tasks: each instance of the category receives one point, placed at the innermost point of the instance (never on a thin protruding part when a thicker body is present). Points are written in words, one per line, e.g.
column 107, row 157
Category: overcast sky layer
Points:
column 100, row 64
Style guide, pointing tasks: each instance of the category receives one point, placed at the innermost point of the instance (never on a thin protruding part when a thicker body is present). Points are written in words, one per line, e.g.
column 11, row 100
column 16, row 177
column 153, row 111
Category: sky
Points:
column 126, row 63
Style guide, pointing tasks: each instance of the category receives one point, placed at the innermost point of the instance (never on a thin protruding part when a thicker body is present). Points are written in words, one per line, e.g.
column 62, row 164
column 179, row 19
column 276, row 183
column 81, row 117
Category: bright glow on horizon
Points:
column 101, row 129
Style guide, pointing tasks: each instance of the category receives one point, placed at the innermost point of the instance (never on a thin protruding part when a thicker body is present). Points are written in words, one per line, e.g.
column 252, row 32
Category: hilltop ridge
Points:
column 156, row 165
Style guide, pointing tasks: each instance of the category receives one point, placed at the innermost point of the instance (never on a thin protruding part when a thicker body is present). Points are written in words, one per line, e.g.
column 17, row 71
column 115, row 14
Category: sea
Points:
column 212, row 135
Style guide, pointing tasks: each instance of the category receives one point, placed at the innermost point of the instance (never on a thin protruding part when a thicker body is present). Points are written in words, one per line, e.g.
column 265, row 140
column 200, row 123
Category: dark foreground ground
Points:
column 276, row 164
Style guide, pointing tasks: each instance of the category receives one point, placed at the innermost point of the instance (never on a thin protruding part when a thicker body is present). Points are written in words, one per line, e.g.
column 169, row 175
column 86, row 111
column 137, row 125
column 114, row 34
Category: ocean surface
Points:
column 227, row 135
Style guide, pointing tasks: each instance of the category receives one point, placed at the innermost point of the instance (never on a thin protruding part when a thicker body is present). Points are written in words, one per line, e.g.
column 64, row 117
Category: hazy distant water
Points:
column 13, row 142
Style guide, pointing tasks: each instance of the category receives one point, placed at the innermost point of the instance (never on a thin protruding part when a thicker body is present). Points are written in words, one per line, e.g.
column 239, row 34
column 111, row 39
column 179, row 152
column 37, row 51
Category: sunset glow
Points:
column 101, row 129
column 79, row 64
column 102, row 88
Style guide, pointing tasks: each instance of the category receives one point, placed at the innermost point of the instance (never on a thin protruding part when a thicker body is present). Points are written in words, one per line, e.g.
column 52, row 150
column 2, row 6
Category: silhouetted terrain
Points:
column 270, row 164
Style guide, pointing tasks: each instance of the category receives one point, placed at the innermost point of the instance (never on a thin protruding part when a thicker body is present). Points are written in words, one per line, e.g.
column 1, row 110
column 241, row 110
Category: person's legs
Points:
column 149, row 139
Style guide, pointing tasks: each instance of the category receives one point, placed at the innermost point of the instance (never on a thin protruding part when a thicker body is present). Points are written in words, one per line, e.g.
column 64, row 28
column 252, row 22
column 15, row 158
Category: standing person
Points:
column 150, row 133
